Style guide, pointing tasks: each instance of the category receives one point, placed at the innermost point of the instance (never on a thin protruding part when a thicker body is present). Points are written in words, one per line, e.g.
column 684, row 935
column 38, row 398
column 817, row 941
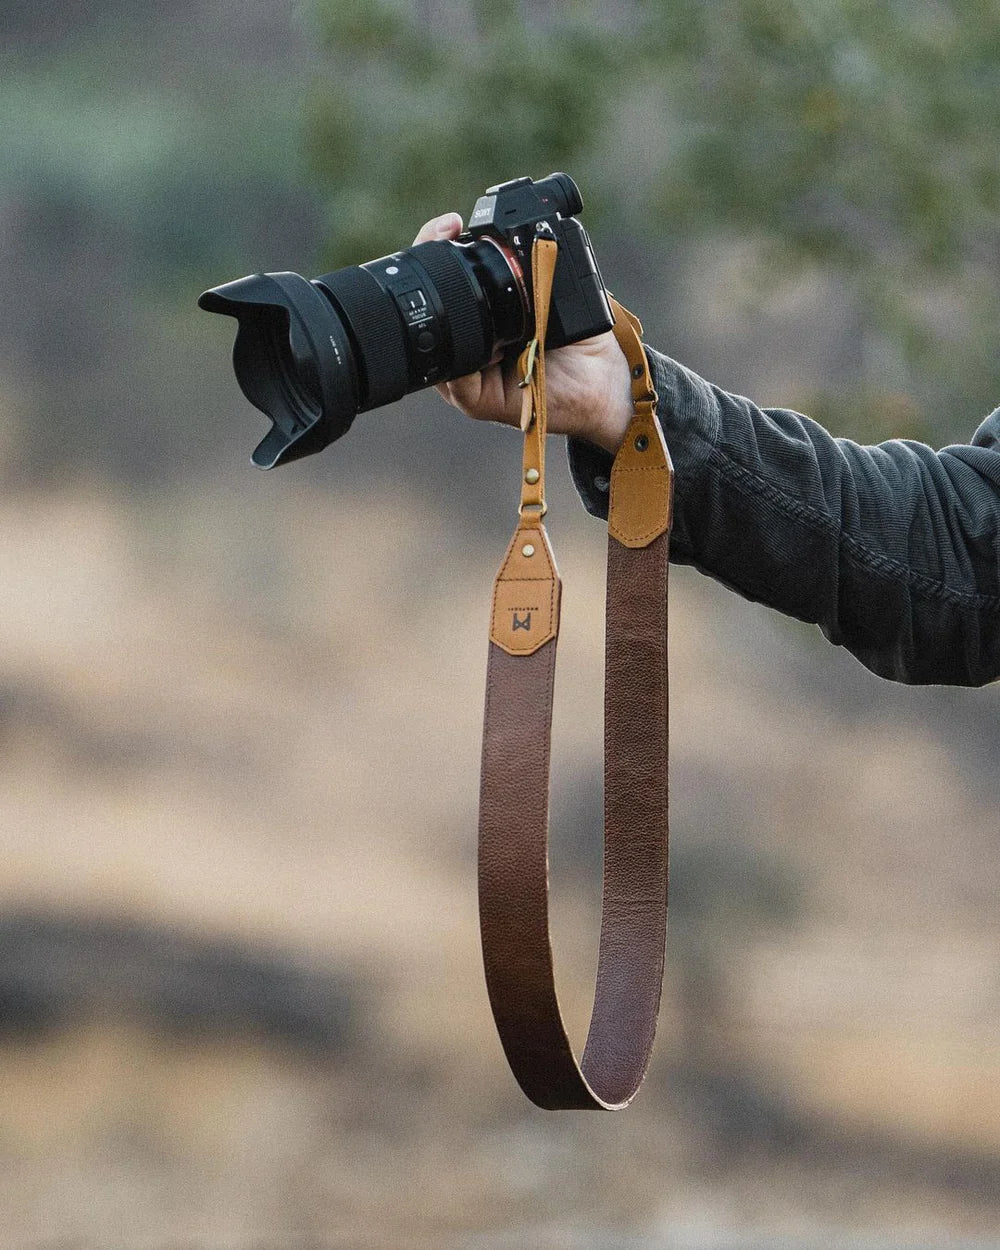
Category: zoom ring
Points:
column 461, row 299
column 371, row 315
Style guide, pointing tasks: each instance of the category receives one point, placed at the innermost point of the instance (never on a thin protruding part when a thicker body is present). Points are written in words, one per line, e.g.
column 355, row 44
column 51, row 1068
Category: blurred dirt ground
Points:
column 239, row 977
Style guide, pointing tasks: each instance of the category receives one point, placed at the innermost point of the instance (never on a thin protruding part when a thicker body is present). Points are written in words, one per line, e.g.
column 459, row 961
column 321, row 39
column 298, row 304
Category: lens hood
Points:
column 292, row 360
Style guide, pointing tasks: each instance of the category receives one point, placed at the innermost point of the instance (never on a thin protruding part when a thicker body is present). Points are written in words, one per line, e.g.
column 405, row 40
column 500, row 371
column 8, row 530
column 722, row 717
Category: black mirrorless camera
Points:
column 311, row 355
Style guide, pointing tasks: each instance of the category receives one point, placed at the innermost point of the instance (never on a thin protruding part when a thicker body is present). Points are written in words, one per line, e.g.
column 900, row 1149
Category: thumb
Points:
column 448, row 226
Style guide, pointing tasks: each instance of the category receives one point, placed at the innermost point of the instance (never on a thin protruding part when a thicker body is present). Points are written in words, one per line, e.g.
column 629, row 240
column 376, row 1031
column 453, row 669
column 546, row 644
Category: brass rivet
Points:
column 531, row 476
column 527, row 550
column 641, row 443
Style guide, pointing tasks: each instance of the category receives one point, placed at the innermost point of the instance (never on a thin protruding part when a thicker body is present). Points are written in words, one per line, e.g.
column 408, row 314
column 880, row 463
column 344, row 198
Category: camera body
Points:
column 313, row 354
column 510, row 212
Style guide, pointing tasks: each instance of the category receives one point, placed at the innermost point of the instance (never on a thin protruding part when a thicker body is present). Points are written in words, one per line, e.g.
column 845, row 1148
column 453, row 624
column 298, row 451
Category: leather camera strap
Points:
column 514, row 794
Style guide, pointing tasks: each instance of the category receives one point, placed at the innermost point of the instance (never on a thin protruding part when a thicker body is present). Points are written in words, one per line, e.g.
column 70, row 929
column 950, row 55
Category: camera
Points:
column 313, row 354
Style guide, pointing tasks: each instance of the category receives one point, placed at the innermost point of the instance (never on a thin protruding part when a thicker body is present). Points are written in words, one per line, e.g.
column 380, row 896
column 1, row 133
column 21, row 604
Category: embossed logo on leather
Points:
column 525, row 612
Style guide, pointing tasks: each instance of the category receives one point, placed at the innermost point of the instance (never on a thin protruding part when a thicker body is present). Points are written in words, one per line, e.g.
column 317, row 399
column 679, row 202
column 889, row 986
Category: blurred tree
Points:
column 858, row 136
column 171, row 135
column 429, row 101
column 146, row 152
column 837, row 133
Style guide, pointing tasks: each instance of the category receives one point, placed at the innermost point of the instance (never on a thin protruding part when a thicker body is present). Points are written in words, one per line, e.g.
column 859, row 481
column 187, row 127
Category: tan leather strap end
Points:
column 642, row 475
column 526, row 592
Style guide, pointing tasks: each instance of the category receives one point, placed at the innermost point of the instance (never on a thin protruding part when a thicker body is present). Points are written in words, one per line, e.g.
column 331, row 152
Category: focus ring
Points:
column 374, row 321
column 460, row 296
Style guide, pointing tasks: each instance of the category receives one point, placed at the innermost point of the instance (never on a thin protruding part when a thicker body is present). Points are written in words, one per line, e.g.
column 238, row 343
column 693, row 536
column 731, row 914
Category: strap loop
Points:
column 513, row 810
column 532, row 509
column 531, row 366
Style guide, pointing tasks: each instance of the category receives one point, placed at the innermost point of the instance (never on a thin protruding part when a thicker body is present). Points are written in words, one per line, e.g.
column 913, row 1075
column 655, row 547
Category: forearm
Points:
column 891, row 550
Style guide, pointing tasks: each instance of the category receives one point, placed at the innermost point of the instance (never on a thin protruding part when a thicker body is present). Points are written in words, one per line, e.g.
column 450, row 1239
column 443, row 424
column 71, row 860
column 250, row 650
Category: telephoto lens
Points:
column 313, row 354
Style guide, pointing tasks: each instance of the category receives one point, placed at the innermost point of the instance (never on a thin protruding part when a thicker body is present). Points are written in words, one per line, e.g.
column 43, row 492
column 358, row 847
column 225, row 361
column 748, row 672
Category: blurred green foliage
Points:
column 852, row 132
column 419, row 115
column 139, row 126
column 859, row 136
column 151, row 151
column 832, row 133
column 146, row 151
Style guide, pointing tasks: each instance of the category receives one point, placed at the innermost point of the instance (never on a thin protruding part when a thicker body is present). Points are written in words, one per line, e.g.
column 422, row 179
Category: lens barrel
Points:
column 312, row 354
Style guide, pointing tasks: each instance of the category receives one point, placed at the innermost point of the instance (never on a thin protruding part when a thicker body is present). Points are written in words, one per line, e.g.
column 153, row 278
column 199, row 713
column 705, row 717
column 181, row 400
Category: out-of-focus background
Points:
column 240, row 995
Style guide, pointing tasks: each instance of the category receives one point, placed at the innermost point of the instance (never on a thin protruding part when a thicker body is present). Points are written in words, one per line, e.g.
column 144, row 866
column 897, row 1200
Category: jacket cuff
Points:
column 590, row 469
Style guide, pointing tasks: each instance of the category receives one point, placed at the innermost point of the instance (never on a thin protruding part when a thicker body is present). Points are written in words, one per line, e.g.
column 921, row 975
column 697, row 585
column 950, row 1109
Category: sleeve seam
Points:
column 861, row 553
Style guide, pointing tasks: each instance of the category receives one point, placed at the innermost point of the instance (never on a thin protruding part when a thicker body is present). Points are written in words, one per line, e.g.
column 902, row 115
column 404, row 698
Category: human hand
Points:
column 588, row 386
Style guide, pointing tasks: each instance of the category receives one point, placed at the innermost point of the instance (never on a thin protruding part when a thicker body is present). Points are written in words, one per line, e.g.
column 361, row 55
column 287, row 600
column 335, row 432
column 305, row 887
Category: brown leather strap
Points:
column 514, row 796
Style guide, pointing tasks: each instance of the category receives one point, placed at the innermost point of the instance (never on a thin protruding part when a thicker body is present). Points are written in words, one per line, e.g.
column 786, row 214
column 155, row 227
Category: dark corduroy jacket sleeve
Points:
column 893, row 550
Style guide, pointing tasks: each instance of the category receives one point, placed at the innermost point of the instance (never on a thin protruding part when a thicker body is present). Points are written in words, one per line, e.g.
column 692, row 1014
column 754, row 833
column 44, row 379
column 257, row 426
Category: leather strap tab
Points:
column 639, row 509
column 526, row 592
